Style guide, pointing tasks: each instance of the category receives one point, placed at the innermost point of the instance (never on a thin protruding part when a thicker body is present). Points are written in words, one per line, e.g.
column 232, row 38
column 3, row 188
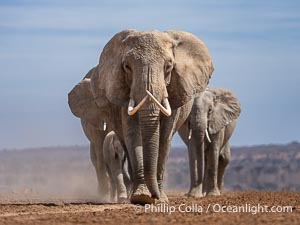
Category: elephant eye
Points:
column 127, row 68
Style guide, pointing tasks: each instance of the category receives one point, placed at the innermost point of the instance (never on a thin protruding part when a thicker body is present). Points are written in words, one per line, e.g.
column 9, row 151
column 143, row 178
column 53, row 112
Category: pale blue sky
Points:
column 46, row 47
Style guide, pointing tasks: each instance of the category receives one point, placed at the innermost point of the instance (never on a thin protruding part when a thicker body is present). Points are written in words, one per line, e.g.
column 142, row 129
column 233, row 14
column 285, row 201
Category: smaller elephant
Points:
column 206, row 133
column 117, row 167
column 95, row 129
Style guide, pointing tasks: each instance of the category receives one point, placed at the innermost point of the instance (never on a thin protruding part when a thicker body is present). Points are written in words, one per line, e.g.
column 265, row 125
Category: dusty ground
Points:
column 14, row 210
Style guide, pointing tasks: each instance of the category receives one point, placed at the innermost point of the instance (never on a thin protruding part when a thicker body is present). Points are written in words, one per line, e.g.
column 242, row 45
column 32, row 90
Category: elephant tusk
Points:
column 207, row 136
column 104, row 126
column 165, row 109
column 168, row 107
column 131, row 109
column 190, row 134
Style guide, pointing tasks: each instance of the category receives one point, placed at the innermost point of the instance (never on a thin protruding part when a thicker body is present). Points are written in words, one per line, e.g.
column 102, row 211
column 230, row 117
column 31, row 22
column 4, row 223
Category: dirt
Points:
column 181, row 210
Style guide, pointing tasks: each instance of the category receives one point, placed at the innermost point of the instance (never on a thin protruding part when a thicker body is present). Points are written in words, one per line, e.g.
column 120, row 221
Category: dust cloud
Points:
column 56, row 172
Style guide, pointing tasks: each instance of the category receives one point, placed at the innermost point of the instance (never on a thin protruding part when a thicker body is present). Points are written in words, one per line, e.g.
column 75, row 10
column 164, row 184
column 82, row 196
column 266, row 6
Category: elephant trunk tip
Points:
column 152, row 185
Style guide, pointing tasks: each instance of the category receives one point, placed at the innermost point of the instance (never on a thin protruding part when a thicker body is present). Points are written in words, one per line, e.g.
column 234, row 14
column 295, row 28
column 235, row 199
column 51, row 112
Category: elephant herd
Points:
column 146, row 87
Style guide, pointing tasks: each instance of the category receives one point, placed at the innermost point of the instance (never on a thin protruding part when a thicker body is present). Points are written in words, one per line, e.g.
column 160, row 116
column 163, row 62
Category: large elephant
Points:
column 207, row 133
column 117, row 167
column 144, row 87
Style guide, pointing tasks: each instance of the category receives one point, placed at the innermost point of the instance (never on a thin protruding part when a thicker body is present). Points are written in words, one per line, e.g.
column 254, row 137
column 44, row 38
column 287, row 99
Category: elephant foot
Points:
column 214, row 192
column 221, row 187
column 163, row 198
column 195, row 192
column 123, row 198
column 142, row 196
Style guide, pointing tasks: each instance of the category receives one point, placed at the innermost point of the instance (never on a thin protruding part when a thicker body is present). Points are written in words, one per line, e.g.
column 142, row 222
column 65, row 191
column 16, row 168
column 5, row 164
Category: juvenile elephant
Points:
column 117, row 168
column 144, row 87
column 207, row 133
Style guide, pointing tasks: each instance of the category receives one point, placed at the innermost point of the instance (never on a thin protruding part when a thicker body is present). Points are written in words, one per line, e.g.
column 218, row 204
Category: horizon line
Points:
column 172, row 147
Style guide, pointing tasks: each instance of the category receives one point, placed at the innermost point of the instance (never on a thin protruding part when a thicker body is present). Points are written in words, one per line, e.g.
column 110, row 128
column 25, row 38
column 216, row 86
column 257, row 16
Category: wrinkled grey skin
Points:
column 114, row 157
column 217, row 111
column 172, row 65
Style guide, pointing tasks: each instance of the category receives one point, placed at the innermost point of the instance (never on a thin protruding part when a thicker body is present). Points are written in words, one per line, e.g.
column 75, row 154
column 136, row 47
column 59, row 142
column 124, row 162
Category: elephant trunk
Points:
column 201, row 159
column 150, row 123
column 200, row 156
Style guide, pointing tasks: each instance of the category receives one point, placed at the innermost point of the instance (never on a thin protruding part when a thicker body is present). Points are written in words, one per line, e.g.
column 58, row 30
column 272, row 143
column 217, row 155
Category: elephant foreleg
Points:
column 127, row 177
column 162, row 158
column 212, row 164
column 197, row 148
column 193, row 168
column 113, row 189
column 167, row 131
column 97, row 159
column 224, row 159
column 121, row 188
column 184, row 134
column 96, row 138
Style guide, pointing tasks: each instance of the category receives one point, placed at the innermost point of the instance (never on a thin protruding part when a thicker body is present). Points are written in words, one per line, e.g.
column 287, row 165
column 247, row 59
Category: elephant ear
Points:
column 110, row 79
column 117, row 146
column 225, row 110
column 192, row 70
column 82, row 102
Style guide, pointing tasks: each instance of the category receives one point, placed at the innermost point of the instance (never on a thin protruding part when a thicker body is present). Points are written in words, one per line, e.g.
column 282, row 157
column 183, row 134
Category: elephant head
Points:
column 151, row 74
column 213, row 110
